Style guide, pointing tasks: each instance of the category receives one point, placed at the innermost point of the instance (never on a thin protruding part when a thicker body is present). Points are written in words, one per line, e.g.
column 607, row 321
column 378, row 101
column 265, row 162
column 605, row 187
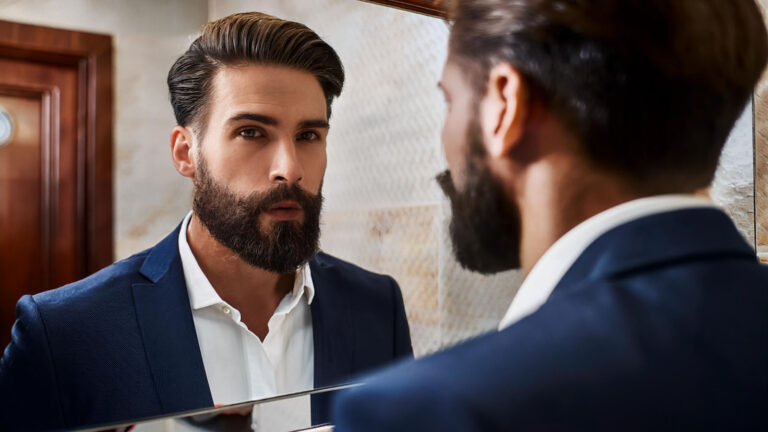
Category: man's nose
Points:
column 286, row 167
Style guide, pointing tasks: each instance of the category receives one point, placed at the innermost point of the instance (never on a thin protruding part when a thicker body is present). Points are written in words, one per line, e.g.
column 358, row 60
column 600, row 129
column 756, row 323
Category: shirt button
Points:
column 226, row 310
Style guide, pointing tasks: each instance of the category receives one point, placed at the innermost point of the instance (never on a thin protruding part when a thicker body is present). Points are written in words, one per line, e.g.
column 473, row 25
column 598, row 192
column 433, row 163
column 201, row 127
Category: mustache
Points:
column 258, row 202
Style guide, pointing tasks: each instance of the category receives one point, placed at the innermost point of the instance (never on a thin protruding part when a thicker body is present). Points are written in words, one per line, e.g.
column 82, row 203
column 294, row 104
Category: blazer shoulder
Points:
column 351, row 273
column 101, row 286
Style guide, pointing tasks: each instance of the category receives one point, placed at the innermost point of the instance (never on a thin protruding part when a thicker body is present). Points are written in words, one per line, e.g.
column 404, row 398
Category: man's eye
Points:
column 309, row 136
column 251, row 133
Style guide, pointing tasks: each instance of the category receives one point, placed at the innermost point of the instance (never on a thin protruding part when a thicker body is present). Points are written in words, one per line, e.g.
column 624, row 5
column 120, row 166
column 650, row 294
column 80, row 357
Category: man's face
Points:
column 260, row 165
column 485, row 224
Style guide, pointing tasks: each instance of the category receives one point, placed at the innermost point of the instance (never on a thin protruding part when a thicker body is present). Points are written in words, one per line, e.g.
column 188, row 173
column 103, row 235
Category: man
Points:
column 577, row 133
column 236, row 304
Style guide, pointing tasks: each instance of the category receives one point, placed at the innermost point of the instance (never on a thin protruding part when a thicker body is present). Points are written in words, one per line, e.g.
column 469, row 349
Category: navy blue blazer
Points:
column 121, row 344
column 662, row 323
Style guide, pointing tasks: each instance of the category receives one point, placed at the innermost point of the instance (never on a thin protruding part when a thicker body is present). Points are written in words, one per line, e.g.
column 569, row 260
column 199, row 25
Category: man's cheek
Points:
column 452, row 149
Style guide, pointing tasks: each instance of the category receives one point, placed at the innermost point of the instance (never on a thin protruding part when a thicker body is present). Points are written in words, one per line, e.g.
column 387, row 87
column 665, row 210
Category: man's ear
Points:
column 182, row 151
column 503, row 110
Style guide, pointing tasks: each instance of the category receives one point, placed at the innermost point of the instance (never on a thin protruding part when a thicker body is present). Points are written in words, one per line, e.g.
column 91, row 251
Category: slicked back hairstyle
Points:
column 242, row 39
column 650, row 88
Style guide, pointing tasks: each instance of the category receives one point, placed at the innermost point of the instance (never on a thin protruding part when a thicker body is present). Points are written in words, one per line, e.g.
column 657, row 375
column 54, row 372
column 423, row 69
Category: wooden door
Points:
column 55, row 160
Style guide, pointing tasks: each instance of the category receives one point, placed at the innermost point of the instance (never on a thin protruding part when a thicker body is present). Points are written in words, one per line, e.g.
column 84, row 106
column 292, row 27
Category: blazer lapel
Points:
column 168, row 331
column 657, row 240
column 331, row 326
column 333, row 334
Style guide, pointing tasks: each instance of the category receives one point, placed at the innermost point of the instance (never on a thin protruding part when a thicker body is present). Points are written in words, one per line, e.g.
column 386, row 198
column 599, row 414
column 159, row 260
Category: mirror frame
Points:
column 436, row 8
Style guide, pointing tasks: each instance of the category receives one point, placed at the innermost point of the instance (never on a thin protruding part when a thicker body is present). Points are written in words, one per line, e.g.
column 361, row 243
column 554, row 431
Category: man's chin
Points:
column 475, row 260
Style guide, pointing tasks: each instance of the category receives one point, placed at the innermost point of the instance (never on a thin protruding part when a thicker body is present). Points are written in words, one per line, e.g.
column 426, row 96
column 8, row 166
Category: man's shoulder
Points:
column 347, row 272
column 639, row 340
column 103, row 284
column 368, row 291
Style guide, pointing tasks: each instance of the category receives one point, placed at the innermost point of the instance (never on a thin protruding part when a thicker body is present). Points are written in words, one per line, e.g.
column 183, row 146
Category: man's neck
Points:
column 253, row 291
column 557, row 196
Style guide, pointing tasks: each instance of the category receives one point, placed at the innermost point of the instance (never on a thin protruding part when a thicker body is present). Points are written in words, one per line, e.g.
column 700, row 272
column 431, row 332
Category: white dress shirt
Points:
column 552, row 266
column 239, row 366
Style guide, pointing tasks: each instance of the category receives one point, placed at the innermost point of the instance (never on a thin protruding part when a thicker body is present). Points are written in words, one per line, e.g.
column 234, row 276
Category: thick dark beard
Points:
column 235, row 222
column 485, row 226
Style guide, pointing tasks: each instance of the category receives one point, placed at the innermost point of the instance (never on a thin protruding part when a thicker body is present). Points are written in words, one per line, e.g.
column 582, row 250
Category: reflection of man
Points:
column 576, row 135
column 236, row 304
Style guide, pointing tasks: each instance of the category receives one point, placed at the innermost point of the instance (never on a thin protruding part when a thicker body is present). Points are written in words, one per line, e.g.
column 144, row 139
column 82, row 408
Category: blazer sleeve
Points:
column 402, row 342
column 29, row 396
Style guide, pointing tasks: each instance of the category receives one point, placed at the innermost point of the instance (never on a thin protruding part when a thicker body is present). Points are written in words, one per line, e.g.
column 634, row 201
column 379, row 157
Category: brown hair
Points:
column 650, row 88
column 247, row 38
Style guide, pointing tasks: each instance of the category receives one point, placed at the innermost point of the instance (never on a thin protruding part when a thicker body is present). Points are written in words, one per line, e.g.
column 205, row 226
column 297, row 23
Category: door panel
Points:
column 22, row 237
column 54, row 210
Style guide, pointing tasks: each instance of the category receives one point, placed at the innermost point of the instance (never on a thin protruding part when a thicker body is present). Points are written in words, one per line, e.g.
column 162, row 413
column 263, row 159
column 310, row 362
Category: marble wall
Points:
column 150, row 197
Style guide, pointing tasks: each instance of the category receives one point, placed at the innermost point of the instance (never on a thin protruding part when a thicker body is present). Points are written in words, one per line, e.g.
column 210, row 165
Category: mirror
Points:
column 279, row 413
column 383, row 211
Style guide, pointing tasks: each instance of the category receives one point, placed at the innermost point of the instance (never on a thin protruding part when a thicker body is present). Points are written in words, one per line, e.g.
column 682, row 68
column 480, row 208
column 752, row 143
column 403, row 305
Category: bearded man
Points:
column 236, row 304
column 578, row 134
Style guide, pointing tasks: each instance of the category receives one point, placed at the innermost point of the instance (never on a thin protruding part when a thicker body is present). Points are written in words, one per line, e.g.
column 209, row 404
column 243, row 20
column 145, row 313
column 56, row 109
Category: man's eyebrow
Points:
column 318, row 124
column 267, row 120
column 271, row 121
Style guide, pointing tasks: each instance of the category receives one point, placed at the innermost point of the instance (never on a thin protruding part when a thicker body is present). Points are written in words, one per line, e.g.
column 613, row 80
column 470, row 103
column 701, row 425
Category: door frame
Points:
column 91, row 54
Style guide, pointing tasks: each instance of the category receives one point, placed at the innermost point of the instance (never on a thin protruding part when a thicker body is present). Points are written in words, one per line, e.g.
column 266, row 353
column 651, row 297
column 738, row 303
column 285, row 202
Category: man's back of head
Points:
column 578, row 134
column 649, row 88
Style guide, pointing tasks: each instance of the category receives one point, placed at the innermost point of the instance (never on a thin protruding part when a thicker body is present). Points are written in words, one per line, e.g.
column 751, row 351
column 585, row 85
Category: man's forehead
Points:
column 236, row 88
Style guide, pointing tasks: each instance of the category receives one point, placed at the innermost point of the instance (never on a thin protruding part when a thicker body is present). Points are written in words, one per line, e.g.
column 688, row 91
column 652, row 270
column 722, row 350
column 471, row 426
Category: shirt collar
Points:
column 303, row 284
column 201, row 292
column 552, row 266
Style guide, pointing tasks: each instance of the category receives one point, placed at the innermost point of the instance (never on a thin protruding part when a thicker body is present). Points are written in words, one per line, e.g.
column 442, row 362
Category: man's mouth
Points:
column 285, row 210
